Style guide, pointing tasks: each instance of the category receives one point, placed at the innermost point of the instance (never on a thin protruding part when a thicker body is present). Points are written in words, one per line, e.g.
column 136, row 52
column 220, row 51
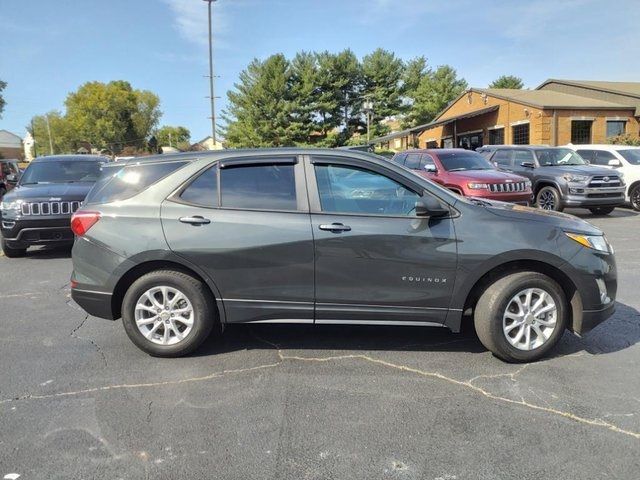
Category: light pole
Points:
column 211, row 96
column 367, row 106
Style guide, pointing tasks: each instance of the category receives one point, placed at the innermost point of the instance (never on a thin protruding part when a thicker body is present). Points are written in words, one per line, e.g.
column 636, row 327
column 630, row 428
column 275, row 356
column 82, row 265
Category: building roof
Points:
column 624, row 88
column 434, row 123
column 9, row 140
column 550, row 99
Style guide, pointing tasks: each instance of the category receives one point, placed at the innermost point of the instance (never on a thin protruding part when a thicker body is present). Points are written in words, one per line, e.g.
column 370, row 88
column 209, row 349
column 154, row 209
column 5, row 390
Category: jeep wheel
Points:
column 634, row 196
column 168, row 313
column 602, row 210
column 522, row 316
column 12, row 252
column 548, row 198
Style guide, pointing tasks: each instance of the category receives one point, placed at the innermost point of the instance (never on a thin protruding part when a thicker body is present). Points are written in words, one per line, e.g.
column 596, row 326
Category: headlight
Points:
column 478, row 186
column 571, row 178
column 596, row 242
column 527, row 184
column 14, row 206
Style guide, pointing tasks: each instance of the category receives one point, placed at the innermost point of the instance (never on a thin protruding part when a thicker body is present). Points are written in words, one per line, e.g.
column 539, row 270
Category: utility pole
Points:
column 49, row 132
column 211, row 95
column 33, row 134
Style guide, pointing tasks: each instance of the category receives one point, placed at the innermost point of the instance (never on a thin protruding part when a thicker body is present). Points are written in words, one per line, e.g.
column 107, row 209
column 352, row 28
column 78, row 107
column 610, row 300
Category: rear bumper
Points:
column 97, row 304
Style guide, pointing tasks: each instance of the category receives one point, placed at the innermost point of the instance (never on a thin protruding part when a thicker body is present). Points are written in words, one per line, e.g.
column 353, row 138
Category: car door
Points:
column 520, row 157
column 375, row 261
column 245, row 222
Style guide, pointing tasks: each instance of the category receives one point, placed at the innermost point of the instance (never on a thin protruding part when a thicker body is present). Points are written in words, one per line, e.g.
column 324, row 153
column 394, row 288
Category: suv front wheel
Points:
column 548, row 198
column 634, row 196
column 12, row 252
column 521, row 316
column 168, row 313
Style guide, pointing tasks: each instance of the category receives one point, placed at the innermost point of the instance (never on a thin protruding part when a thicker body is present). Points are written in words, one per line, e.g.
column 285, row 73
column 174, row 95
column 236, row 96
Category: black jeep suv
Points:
column 38, row 210
column 560, row 177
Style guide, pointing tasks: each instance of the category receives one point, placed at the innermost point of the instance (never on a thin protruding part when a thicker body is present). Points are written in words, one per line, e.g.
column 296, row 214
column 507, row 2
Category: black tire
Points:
column 12, row 252
column 548, row 198
column 634, row 197
column 204, row 310
column 602, row 210
column 489, row 311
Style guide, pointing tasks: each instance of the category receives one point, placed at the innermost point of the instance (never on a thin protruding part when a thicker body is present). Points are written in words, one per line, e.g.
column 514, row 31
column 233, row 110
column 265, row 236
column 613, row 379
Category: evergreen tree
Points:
column 507, row 81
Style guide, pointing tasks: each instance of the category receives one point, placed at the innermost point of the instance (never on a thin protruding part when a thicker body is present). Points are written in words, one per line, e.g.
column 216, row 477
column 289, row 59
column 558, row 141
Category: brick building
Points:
column 556, row 113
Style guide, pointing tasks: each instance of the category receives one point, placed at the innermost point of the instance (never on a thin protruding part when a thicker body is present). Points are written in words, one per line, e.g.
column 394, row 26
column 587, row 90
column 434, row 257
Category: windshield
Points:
column 631, row 156
column 559, row 156
column 460, row 161
column 61, row 172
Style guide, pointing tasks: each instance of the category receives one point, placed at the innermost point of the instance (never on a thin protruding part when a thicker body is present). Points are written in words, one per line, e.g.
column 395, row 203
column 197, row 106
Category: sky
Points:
column 50, row 48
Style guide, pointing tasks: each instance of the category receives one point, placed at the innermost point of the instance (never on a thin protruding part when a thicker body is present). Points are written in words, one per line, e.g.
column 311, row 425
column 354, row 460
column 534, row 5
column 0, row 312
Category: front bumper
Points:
column 21, row 233
column 521, row 198
column 577, row 196
column 592, row 318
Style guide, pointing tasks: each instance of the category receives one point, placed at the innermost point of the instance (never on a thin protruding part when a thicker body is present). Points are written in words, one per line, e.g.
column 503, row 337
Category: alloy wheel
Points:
column 164, row 315
column 547, row 200
column 529, row 319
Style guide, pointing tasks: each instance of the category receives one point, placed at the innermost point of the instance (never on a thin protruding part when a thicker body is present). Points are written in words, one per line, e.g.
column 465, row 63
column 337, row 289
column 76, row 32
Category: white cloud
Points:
column 190, row 19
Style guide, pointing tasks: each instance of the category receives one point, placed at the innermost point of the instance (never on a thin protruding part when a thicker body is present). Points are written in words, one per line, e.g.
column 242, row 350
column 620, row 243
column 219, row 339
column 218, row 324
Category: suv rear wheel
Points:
column 168, row 313
column 602, row 210
column 12, row 252
column 522, row 316
column 548, row 198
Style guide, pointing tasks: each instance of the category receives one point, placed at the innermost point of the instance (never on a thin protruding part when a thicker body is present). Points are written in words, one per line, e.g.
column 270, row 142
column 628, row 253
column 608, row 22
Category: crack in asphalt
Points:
column 96, row 346
column 149, row 411
column 467, row 384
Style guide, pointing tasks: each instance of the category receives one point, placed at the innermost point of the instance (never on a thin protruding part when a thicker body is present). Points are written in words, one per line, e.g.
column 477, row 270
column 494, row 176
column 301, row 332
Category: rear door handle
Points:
column 195, row 220
column 335, row 227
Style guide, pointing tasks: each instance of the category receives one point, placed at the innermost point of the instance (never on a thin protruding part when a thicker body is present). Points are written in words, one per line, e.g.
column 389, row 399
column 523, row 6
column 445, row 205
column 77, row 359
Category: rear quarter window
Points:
column 119, row 183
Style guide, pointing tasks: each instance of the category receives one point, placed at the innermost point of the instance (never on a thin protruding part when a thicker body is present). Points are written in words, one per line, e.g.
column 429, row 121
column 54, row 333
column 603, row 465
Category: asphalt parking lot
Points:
column 78, row 400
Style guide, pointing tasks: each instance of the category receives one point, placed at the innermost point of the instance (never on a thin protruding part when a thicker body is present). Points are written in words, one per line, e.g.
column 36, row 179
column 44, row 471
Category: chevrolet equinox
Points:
column 181, row 245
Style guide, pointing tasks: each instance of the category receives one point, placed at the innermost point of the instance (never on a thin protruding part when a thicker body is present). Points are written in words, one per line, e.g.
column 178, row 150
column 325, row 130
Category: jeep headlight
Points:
column 596, row 242
column 14, row 206
column 572, row 178
column 527, row 184
column 478, row 186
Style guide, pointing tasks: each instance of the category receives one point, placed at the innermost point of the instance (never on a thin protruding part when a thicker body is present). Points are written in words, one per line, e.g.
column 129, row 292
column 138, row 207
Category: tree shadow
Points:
column 617, row 333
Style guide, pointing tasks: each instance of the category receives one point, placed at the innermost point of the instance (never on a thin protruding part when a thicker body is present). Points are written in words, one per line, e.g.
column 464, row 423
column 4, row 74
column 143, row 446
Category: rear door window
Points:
column 203, row 191
column 122, row 182
column 399, row 159
column 503, row 158
column 259, row 187
column 413, row 161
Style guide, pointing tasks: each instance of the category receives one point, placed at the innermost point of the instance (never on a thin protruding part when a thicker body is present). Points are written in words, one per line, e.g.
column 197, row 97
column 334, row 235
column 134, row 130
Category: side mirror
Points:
column 430, row 168
column 12, row 178
column 430, row 207
column 528, row 164
column 614, row 162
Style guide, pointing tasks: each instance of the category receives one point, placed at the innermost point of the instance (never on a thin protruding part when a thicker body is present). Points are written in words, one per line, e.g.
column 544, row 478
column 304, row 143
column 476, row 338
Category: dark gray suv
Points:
column 560, row 177
column 180, row 246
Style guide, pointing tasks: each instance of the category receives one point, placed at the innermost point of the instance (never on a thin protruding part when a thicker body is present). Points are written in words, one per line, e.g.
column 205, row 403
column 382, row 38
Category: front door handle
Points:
column 335, row 227
column 195, row 220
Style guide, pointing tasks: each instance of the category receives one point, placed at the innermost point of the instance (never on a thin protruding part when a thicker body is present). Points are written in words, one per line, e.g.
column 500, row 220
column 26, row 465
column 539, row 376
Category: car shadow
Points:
column 618, row 333
column 620, row 212
column 47, row 253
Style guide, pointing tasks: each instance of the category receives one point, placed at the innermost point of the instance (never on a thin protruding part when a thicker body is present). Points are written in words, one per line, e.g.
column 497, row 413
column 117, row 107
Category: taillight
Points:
column 82, row 221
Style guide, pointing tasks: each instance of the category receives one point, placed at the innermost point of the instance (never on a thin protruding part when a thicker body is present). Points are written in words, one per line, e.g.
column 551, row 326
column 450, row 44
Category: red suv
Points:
column 467, row 173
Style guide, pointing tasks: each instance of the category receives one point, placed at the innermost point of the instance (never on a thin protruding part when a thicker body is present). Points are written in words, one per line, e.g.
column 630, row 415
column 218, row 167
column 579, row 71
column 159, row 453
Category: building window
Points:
column 496, row 136
column 581, row 132
column 615, row 127
column 520, row 134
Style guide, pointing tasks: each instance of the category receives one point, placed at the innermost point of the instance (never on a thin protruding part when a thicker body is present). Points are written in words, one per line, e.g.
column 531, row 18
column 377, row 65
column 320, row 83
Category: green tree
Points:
column 3, row 85
column 62, row 138
column 414, row 71
column 178, row 137
column 435, row 91
column 507, row 81
column 259, row 109
column 382, row 78
column 304, row 97
column 112, row 115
